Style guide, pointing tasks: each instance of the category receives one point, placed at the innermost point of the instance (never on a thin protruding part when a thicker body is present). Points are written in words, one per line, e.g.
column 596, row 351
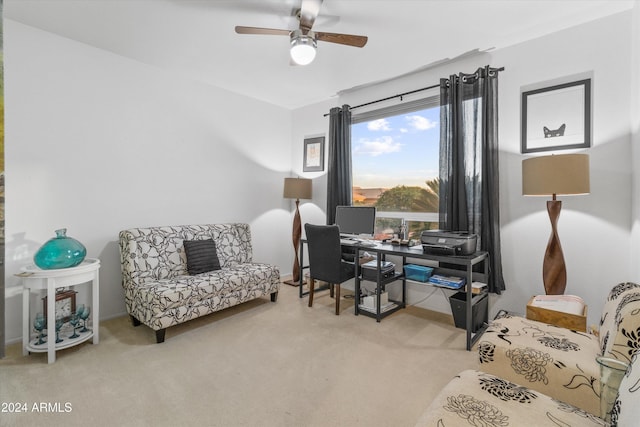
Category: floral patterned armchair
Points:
column 475, row 398
column 558, row 362
column 160, row 292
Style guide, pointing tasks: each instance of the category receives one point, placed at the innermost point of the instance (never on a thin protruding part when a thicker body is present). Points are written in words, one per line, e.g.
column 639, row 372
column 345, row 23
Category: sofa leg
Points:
column 135, row 321
column 160, row 335
column 274, row 296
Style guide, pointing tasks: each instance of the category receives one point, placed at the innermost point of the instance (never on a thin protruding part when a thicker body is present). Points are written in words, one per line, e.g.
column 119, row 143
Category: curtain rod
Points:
column 400, row 95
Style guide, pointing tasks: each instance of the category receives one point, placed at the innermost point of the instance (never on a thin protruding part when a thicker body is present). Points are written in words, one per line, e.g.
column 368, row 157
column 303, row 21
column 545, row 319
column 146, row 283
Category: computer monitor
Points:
column 356, row 220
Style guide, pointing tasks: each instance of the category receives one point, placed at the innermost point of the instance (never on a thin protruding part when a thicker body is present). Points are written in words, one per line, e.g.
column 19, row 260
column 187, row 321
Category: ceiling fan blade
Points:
column 309, row 11
column 257, row 30
column 347, row 39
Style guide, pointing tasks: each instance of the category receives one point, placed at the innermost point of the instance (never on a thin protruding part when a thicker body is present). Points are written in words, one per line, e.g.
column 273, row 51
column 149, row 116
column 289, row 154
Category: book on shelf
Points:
column 383, row 307
column 478, row 288
column 374, row 264
column 451, row 282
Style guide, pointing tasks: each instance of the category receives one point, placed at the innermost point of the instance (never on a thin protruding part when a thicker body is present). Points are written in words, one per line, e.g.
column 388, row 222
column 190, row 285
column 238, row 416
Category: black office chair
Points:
column 325, row 260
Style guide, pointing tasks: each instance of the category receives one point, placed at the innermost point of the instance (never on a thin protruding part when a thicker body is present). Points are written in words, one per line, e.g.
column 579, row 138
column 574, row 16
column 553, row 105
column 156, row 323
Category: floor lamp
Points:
column 296, row 188
column 566, row 174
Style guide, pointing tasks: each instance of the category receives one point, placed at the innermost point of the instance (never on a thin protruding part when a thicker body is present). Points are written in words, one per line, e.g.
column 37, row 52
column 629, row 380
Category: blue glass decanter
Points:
column 60, row 252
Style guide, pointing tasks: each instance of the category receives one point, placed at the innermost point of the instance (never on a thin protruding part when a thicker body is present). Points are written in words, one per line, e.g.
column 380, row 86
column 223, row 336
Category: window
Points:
column 395, row 161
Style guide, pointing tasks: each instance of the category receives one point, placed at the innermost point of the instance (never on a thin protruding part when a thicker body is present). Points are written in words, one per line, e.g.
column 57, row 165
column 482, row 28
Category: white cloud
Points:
column 380, row 124
column 420, row 123
column 376, row 147
column 404, row 130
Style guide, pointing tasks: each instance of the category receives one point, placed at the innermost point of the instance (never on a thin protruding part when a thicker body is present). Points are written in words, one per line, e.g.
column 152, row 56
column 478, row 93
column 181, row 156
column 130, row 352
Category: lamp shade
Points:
column 297, row 188
column 557, row 174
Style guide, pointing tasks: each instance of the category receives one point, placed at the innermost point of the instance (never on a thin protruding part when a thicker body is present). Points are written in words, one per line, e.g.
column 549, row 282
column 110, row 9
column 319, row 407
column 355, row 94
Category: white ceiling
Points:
column 196, row 37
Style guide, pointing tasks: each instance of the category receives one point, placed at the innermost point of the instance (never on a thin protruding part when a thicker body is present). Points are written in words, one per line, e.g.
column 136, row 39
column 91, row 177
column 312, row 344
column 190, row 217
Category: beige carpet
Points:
column 260, row 364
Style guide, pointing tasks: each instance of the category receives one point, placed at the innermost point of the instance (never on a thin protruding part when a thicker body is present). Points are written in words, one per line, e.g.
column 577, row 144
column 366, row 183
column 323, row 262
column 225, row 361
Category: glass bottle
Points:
column 60, row 252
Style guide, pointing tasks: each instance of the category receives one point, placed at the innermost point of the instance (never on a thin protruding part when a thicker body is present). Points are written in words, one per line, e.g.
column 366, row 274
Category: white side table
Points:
column 34, row 278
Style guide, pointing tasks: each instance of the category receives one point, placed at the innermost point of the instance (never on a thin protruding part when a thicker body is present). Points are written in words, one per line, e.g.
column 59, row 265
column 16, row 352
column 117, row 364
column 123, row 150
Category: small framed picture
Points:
column 557, row 117
column 313, row 154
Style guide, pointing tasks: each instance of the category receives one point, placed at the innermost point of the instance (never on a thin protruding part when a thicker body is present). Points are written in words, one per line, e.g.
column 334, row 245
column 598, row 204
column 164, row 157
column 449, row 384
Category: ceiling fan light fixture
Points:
column 303, row 47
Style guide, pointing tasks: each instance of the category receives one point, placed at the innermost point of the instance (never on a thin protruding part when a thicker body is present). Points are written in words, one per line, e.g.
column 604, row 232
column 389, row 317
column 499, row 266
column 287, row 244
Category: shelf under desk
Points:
column 464, row 264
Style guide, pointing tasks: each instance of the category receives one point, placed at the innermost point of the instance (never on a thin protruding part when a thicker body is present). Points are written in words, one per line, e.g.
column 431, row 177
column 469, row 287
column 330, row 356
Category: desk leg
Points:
column 404, row 283
column 469, row 306
column 301, row 257
column 51, row 320
column 378, row 287
column 26, row 293
column 356, row 297
column 95, row 294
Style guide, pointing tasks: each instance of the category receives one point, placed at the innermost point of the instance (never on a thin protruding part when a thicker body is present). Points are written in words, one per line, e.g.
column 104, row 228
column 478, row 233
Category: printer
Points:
column 441, row 242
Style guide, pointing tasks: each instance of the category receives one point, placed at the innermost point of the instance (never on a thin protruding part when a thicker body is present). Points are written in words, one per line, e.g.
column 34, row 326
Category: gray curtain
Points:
column 339, row 181
column 469, row 188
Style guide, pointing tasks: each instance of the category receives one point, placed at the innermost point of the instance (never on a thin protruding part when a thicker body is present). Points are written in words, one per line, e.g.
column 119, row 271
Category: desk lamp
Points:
column 566, row 174
column 296, row 188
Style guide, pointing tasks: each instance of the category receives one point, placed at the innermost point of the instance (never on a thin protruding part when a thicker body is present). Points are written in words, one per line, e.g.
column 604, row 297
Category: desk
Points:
column 34, row 278
column 466, row 263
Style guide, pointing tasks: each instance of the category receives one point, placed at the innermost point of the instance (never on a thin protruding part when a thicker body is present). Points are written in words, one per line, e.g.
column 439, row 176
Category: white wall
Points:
column 595, row 230
column 310, row 122
column 635, row 139
column 98, row 143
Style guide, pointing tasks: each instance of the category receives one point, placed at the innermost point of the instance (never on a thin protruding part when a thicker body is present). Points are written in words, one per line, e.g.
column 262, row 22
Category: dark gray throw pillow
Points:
column 201, row 256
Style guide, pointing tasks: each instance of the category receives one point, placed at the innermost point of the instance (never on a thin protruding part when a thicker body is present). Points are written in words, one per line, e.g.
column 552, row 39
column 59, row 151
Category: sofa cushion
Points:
column 475, row 398
column 552, row 360
column 186, row 291
column 157, row 253
column 201, row 256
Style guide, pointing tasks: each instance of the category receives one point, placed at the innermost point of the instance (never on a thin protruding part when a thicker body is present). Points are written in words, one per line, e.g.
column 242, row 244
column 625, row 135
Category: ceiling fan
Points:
column 303, row 40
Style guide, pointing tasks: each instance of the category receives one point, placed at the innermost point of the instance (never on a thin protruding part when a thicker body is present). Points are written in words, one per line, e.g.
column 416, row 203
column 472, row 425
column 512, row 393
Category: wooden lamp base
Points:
column 296, row 234
column 554, row 271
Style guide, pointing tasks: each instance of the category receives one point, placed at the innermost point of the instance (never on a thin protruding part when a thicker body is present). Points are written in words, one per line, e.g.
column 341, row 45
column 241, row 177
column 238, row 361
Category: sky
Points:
column 398, row 150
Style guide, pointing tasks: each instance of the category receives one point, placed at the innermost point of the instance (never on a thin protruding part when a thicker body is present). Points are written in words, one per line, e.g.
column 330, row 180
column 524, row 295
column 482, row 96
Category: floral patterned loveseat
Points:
column 559, row 362
column 160, row 292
